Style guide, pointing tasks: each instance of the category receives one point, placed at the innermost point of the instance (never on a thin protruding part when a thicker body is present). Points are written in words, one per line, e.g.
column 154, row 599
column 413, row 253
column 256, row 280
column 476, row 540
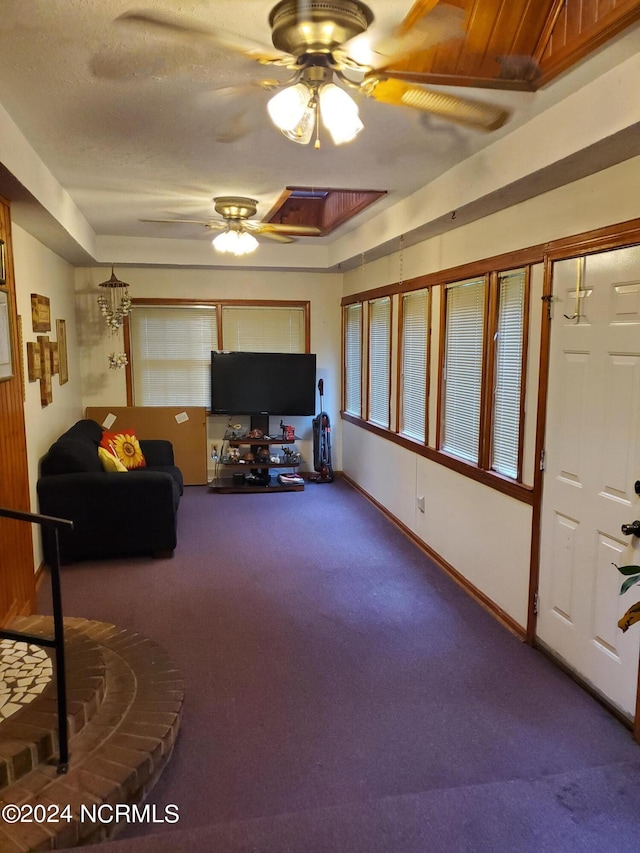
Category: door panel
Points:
column 592, row 462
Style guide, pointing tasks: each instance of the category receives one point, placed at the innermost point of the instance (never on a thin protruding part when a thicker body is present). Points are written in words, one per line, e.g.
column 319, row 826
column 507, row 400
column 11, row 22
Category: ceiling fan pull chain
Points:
column 316, row 144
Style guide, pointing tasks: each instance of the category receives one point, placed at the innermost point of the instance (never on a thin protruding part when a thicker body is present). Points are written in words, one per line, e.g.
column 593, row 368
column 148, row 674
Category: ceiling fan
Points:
column 320, row 41
column 238, row 229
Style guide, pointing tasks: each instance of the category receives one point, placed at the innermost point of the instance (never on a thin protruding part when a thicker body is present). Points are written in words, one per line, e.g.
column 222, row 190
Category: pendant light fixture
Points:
column 235, row 241
column 296, row 110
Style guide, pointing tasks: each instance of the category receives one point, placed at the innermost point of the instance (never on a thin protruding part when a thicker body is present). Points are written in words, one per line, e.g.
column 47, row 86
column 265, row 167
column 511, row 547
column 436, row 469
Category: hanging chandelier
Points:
column 115, row 305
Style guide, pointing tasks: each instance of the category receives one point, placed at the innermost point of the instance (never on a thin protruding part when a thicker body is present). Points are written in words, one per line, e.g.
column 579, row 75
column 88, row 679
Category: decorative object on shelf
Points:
column 6, row 362
column 291, row 457
column 262, row 454
column 115, row 305
column 117, row 360
column 40, row 313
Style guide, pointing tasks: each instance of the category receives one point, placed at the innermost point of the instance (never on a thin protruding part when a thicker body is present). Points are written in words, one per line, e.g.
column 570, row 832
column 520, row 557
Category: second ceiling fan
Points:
column 238, row 230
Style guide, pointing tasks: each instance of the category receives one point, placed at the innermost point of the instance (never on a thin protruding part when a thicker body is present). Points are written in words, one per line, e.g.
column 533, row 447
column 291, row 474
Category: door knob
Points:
column 632, row 529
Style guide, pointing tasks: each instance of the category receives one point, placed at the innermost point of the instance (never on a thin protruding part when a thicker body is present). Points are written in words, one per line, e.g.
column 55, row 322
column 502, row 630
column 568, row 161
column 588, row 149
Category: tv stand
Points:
column 223, row 483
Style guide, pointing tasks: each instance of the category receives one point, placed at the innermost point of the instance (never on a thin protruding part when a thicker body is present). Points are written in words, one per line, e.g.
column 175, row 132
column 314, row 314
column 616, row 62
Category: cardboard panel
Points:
column 185, row 428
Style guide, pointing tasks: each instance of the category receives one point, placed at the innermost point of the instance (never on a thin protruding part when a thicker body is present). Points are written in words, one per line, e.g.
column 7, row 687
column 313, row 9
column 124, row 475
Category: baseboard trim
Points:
column 587, row 686
column 483, row 600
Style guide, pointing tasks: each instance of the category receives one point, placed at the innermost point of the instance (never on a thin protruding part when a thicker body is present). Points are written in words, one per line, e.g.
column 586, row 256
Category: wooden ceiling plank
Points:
column 563, row 52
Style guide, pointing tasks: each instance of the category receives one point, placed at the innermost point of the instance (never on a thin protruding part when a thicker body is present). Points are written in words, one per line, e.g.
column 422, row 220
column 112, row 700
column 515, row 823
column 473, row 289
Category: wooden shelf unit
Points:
column 225, row 485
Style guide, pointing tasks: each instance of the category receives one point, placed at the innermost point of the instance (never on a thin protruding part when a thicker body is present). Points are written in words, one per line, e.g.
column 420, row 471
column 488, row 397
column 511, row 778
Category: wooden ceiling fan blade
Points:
column 207, row 223
column 476, row 114
column 298, row 230
column 170, row 25
column 273, row 235
column 378, row 48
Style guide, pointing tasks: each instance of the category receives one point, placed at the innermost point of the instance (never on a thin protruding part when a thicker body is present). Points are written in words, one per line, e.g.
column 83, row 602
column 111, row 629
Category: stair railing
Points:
column 50, row 526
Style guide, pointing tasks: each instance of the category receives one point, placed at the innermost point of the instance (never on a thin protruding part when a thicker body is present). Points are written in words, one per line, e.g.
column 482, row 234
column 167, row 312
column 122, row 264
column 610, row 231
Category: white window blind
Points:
column 508, row 373
column 463, row 368
column 171, row 354
column 413, row 391
column 379, row 361
column 250, row 328
column 353, row 359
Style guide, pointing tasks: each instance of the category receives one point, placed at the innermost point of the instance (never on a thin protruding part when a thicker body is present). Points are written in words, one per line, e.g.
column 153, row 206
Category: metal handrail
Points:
column 50, row 525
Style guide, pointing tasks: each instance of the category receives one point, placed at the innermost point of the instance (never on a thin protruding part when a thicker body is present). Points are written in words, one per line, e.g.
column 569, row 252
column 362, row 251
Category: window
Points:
column 505, row 439
column 479, row 326
column 170, row 344
column 171, row 354
column 463, row 368
column 251, row 328
column 379, row 361
column 353, row 359
column 414, row 357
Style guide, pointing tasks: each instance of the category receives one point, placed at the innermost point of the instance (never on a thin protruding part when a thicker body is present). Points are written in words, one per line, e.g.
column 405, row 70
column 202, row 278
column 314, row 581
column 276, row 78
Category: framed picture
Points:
column 6, row 363
column 3, row 267
column 46, row 391
column 34, row 370
column 63, row 369
column 40, row 313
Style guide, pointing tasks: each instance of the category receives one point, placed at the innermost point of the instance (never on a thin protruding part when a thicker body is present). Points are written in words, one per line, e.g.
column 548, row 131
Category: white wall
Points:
column 102, row 386
column 38, row 270
column 483, row 534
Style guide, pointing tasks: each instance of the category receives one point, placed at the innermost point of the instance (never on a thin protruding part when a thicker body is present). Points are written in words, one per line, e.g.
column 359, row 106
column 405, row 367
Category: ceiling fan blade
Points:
column 476, row 114
column 274, row 235
column 378, row 48
column 207, row 223
column 275, row 227
column 176, row 27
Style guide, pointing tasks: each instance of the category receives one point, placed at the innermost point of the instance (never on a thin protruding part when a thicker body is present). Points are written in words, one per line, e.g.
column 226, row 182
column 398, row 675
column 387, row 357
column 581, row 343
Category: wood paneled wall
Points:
column 17, row 582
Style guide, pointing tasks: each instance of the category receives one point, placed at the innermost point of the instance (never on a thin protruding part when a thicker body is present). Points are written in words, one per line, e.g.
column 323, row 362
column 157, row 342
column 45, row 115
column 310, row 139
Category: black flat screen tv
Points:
column 263, row 383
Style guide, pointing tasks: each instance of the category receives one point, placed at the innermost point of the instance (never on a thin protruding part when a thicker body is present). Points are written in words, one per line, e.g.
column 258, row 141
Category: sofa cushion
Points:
column 126, row 447
column 75, row 452
column 70, row 456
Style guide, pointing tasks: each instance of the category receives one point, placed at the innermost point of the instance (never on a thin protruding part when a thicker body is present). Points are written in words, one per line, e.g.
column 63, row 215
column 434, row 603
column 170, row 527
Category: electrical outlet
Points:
column 420, row 503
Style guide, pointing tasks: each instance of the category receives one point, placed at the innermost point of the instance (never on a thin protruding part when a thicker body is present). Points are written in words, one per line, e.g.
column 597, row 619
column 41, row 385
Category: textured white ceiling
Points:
column 186, row 122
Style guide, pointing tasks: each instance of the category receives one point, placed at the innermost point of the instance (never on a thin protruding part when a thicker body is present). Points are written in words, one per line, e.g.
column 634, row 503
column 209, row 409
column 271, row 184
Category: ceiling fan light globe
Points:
column 223, row 242
column 303, row 131
column 287, row 108
column 235, row 243
column 339, row 114
column 245, row 244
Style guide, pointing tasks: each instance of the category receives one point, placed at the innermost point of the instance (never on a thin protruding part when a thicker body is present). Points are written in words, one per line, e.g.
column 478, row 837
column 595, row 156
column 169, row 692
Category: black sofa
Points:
column 113, row 514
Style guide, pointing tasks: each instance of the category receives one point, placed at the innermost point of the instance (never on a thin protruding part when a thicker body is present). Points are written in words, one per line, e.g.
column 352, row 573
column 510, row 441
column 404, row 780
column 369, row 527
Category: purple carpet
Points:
column 343, row 694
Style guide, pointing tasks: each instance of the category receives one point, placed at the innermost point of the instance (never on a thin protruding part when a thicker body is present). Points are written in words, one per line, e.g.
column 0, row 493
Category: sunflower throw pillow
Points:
column 126, row 447
column 109, row 461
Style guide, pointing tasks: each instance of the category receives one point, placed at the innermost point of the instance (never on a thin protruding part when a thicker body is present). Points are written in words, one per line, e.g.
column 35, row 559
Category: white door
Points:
column 592, row 462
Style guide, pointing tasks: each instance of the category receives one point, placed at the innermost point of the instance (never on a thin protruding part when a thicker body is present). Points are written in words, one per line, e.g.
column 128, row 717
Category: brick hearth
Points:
column 124, row 705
